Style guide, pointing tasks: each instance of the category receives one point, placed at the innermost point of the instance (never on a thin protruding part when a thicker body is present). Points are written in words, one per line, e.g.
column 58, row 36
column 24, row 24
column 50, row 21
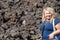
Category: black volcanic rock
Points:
column 20, row 19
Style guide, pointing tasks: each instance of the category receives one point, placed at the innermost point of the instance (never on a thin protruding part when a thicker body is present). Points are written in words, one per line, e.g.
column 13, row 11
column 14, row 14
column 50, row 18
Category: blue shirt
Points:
column 47, row 28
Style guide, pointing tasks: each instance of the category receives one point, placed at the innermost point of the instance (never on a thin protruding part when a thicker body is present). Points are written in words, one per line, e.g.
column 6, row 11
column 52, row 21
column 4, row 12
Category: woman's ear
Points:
column 58, row 26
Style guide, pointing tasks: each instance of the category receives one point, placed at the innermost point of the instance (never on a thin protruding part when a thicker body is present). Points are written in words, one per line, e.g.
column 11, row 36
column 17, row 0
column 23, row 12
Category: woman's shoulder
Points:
column 57, row 21
column 43, row 22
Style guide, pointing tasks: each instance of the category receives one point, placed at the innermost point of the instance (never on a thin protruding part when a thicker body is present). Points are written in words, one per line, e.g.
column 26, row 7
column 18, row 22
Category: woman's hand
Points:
column 51, row 36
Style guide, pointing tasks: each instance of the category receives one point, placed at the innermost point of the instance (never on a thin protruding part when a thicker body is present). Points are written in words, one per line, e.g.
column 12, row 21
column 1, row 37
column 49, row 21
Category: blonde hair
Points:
column 51, row 10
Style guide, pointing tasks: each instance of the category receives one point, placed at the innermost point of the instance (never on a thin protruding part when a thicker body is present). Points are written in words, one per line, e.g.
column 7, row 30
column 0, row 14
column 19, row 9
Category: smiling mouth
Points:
column 47, row 16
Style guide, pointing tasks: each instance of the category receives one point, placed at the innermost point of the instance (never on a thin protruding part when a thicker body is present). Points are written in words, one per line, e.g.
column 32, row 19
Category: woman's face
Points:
column 48, row 15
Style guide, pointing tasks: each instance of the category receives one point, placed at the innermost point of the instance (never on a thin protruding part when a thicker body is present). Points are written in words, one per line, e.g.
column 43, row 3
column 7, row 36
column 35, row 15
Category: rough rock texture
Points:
column 20, row 19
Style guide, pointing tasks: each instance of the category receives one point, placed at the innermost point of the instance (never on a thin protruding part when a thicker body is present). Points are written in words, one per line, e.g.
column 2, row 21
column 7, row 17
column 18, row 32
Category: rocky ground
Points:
column 20, row 19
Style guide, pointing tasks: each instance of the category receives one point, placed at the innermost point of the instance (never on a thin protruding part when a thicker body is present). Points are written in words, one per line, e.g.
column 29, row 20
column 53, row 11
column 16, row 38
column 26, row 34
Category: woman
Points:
column 47, row 24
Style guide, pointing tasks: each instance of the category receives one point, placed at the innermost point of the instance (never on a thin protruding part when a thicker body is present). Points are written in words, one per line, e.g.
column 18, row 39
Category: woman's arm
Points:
column 58, row 29
column 51, row 36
